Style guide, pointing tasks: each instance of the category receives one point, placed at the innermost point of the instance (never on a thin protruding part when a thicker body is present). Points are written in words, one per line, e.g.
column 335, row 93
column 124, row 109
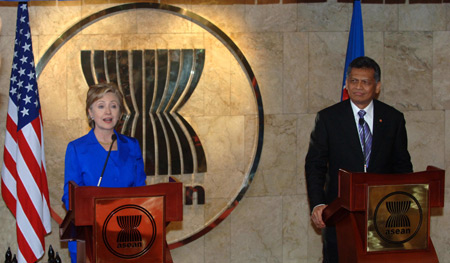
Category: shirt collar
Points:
column 369, row 113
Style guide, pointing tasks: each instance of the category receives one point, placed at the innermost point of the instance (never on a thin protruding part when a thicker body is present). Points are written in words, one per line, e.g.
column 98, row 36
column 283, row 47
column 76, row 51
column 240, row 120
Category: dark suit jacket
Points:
column 335, row 145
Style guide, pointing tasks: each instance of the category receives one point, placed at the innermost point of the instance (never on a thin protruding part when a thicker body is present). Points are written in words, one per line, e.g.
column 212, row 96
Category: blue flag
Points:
column 355, row 46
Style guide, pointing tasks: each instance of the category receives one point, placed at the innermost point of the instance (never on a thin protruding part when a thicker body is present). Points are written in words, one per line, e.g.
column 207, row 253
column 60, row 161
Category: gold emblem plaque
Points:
column 397, row 217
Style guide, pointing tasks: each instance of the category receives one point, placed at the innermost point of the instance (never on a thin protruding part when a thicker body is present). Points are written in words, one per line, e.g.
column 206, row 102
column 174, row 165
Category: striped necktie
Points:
column 365, row 137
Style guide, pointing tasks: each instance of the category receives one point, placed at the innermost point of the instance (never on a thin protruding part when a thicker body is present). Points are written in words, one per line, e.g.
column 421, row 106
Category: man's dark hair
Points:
column 365, row 62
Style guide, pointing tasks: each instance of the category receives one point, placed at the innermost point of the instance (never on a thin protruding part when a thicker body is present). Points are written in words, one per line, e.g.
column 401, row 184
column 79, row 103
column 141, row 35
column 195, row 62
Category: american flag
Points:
column 24, row 180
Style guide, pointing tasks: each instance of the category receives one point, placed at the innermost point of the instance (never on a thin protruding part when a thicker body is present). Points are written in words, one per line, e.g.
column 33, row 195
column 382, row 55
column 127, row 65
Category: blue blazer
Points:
column 85, row 158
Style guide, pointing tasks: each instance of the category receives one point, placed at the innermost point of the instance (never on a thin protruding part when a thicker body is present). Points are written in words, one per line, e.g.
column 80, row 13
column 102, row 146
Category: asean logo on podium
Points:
column 129, row 229
column 129, row 237
column 397, row 217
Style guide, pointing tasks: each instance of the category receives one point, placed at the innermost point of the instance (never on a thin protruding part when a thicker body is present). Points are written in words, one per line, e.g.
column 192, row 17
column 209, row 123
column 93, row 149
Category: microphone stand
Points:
column 113, row 137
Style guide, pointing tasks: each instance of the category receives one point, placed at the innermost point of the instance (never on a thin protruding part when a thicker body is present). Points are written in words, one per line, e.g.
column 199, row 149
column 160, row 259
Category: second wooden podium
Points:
column 386, row 217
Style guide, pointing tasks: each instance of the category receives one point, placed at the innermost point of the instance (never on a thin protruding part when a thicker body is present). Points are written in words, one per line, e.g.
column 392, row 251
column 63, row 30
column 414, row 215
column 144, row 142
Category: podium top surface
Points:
column 82, row 199
column 353, row 186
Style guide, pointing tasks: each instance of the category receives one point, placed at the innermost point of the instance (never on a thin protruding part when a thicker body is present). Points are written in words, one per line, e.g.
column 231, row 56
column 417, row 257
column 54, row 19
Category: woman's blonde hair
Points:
column 96, row 92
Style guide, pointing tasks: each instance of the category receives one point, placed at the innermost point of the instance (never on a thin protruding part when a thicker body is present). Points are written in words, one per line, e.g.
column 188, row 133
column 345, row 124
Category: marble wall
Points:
column 297, row 52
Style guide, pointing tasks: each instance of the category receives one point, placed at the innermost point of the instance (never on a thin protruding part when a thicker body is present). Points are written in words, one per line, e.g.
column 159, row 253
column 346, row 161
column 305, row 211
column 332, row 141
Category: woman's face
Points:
column 105, row 111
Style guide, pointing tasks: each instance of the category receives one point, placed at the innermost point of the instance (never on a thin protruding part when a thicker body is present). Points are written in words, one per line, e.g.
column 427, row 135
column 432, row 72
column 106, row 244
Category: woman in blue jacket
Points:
column 85, row 156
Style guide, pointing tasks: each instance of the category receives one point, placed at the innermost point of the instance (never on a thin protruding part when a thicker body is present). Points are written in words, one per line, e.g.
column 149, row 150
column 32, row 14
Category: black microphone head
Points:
column 361, row 121
column 114, row 137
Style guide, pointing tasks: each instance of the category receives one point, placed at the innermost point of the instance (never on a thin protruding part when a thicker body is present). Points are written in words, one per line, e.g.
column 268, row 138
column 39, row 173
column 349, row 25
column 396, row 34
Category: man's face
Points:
column 361, row 86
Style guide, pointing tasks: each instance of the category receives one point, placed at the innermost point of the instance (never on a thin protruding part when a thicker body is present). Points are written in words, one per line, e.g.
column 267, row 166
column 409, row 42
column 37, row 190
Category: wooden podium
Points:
column 386, row 217
column 122, row 224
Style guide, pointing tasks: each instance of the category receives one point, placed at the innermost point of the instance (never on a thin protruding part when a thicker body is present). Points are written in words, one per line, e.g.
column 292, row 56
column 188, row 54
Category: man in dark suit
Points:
column 341, row 140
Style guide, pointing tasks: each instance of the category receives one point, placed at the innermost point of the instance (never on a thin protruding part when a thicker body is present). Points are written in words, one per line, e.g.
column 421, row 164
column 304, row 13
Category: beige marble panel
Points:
column 8, row 18
column 216, row 77
column 441, row 68
column 277, row 169
column 256, row 230
column 193, row 252
column 275, row 182
column 6, row 57
column 57, row 18
column 8, row 230
column 271, row 18
column 426, row 138
column 326, row 68
column 422, row 17
column 379, row 17
column 328, row 17
column 440, row 227
column 52, row 89
column 265, row 55
column 195, row 215
column 295, row 72
column 305, row 124
column 228, row 18
column 225, row 133
column 151, row 21
column 314, row 245
column 218, row 243
column 408, row 67
column 88, row 9
column 373, row 47
column 242, row 95
column 223, row 184
column 279, row 152
column 295, row 228
column 118, row 23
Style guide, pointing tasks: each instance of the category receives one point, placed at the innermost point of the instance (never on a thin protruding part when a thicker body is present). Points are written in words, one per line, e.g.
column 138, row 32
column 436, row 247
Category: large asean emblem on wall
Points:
column 191, row 99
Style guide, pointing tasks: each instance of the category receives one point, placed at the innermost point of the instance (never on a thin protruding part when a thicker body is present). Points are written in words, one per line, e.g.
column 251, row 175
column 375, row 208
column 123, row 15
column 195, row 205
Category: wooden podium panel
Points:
column 386, row 217
column 129, row 229
column 124, row 225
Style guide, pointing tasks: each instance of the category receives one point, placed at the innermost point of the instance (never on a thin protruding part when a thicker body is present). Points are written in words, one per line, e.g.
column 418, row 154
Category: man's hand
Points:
column 316, row 216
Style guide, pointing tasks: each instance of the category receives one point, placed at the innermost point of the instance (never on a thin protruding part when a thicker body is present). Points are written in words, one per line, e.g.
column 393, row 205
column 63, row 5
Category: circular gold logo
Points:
column 398, row 217
column 176, row 103
column 129, row 231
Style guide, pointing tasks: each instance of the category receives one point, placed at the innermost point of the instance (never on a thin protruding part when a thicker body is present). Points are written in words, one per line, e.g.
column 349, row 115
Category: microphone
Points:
column 361, row 122
column 114, row 138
